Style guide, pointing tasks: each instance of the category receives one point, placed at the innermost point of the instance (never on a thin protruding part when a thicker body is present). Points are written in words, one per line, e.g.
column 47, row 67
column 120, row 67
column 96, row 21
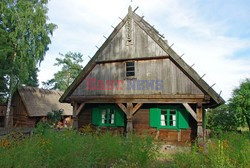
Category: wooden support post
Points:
column 129, row 111
column 204, row 120
column 76, row 110
column 75, row 118
column 129, row 118
column 200, row 135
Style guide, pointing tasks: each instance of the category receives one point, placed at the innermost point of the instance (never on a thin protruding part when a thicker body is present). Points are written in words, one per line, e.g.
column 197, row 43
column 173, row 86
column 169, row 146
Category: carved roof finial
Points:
column 130, row 9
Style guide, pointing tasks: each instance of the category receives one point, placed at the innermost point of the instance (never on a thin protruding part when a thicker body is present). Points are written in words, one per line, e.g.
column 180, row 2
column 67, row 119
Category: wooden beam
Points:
column 137, row 106
column 133, row 59
column 140, row 99
column 190, row 110
column 124, row 109
column 141, row 96
column 80, row 108
column 129, row 111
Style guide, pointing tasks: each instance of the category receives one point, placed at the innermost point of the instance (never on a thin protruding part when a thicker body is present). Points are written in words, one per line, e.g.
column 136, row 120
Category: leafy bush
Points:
column 221, row 119
column 55, row 116
column 71, row 149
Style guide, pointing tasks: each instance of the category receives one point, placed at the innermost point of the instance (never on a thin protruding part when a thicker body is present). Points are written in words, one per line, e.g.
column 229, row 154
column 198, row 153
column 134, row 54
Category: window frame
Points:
column 167, row 118
column 118, row 119
column 182, row 117
column 126, row 71
column 108, row 111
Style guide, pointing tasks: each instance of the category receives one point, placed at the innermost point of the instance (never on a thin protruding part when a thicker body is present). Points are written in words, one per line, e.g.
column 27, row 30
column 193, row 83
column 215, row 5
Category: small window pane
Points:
column 172, row 112
column 130, row 74
column 164, row 112
column 130, row 69
column 111, row 116
column 164, row 118
column 130, row 63
column 103, row 116
column 172, row 123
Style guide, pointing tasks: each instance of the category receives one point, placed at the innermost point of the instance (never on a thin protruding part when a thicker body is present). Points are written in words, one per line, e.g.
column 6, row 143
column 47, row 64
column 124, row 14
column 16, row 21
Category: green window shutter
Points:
column 96, row 116
column 183, row 119
column 119, row 118
column 154, row 117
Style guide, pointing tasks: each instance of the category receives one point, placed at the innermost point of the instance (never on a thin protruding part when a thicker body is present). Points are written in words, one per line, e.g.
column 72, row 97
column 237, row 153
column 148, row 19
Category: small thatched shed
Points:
column 32, row 104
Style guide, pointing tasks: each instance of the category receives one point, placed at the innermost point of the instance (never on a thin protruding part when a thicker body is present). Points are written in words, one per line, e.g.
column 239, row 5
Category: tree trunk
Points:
column 9, row 115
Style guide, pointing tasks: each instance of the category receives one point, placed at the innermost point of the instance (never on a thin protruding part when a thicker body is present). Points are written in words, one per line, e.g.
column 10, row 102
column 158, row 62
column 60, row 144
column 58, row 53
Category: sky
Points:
column 214, row 35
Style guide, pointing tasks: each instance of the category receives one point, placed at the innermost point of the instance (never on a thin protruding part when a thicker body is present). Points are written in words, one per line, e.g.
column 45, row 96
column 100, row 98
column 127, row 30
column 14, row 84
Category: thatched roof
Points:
column 39, row 102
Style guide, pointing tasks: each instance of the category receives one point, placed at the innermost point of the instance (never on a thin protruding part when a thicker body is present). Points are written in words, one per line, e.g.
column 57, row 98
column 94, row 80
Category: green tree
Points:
column 55, row 116
column 221, row 119
column 70, row 70
column 26, row 36
column 239, row 104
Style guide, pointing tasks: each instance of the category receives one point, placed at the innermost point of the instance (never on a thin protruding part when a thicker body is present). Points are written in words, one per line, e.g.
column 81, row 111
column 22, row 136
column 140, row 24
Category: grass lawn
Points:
column 51, row 148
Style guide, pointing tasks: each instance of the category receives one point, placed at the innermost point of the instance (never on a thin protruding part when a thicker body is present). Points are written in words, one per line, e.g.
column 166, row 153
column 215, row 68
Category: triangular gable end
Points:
column 141, row 34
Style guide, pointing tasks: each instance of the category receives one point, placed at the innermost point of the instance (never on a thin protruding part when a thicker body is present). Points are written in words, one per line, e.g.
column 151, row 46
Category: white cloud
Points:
column 82, row 24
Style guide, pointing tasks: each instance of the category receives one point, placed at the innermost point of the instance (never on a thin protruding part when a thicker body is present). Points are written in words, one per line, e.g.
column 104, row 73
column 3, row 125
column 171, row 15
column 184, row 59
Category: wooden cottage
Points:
column 137, row 82
column 3, row 107
column 32, row 104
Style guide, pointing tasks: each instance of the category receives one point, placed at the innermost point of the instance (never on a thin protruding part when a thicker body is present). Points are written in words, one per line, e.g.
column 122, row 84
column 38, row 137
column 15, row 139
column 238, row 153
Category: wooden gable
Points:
column 140, row 46
column 135, row 40
column 148, row 75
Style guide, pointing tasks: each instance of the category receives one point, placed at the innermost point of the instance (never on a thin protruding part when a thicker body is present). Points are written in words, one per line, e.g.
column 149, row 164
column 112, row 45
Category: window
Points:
column 168, row 118
column 130, row 69
column 108, row 116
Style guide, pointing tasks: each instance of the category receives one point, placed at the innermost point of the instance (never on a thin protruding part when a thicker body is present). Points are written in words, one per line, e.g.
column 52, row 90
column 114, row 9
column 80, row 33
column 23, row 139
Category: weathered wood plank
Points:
column 131, row 59
column 190, row 110
column 148, row 76
column 123, row 108
column 140, row 100
column 144, row 96
column 200, row 132
column 75, row 117
column 136, row 107
column 80, row 108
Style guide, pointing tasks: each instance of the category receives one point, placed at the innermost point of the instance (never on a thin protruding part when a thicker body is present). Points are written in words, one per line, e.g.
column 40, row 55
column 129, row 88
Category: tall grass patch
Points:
column 71, row 149
column 228, row 150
